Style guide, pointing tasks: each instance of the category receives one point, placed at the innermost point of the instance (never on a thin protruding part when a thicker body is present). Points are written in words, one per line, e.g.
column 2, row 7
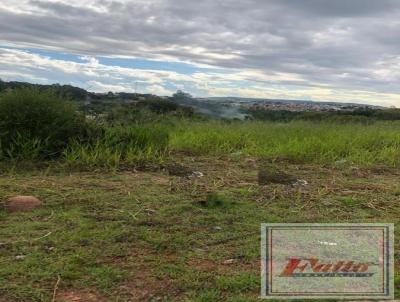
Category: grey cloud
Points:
column 342, row 8
column 327, row 43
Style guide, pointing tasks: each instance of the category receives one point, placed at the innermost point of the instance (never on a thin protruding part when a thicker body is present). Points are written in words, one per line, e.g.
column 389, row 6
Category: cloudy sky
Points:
column 341, row 50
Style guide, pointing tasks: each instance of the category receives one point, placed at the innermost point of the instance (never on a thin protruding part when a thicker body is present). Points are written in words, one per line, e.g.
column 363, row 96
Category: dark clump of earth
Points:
column 272, row 175
column 176, row 169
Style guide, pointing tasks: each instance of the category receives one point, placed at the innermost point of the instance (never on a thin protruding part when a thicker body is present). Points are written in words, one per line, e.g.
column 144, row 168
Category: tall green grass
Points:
column 119, row 145
column 151, row 144
column 378, row 143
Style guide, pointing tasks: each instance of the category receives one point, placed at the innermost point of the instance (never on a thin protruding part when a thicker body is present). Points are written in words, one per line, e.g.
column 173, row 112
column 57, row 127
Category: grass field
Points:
column 122, row 232
column 300, row 142
column 378, row 143
column 149, row 236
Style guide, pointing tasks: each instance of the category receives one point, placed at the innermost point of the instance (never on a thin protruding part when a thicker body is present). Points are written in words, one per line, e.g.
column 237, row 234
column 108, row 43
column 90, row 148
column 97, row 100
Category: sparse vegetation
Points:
column 145, row 235
column 128, row 219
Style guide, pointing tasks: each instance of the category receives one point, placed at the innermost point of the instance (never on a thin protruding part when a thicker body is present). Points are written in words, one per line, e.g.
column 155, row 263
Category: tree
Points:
column 180, row 95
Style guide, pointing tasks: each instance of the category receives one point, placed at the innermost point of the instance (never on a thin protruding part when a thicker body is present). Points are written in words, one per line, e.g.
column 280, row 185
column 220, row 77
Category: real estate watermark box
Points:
column 338, row 261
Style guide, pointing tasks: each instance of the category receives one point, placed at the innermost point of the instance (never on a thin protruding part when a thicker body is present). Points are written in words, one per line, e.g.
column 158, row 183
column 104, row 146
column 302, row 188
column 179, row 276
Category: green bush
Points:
column 37, row 124
column 129, row 115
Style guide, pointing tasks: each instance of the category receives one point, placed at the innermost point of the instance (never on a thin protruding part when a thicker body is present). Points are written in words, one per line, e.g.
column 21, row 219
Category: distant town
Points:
column 292, row 105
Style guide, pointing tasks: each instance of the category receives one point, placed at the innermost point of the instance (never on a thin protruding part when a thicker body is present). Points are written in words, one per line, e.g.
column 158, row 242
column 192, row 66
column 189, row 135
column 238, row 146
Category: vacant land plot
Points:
column 153, row 236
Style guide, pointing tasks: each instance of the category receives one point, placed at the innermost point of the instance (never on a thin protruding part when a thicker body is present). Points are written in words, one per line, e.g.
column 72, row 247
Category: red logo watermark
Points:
column 313, row 267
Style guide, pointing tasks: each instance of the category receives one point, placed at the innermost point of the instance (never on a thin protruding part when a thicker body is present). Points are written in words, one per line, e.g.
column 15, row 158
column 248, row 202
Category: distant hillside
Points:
column 216, row 107
column 67, row 91
column 101, row 102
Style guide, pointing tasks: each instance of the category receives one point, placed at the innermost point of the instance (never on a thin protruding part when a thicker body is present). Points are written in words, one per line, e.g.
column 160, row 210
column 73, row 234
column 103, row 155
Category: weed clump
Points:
column 215, row 200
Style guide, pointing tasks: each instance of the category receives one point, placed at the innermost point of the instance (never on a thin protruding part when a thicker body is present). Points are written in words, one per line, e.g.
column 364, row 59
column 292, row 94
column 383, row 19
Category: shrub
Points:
column 128, row 115
column 215, row 200
column 37, row 124
column 159, row 106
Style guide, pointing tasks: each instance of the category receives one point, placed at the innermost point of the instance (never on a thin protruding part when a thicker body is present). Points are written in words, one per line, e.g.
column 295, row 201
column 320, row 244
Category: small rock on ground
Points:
column 22, row 203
